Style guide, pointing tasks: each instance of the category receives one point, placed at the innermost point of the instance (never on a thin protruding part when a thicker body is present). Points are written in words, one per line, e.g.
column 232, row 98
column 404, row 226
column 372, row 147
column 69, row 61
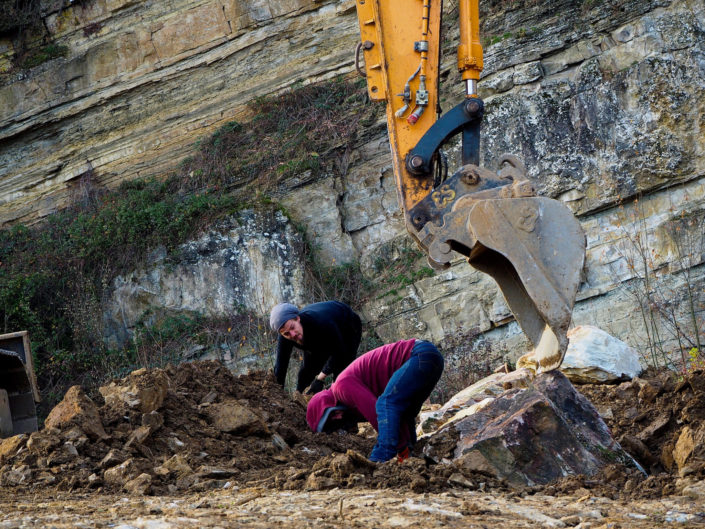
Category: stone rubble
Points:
column 222, row 448
column 262, row 508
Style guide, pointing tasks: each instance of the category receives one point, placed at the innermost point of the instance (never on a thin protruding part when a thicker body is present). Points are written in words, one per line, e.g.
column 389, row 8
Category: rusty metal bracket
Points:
column 475, row 183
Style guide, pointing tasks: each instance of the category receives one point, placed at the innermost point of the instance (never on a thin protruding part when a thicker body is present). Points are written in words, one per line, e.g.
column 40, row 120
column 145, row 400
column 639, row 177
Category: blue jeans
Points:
column 403, row 397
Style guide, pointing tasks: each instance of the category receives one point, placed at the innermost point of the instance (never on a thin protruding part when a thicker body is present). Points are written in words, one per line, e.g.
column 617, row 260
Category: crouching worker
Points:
column 328, row 333
column 386, row 387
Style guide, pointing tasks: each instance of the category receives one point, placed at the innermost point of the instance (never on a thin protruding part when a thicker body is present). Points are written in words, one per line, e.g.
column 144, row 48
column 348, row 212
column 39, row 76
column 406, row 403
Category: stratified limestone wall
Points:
column 145, row 80
column 603, row 100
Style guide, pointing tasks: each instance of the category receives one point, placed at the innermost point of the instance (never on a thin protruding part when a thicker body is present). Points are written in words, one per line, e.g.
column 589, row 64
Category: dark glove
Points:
column 315, row 387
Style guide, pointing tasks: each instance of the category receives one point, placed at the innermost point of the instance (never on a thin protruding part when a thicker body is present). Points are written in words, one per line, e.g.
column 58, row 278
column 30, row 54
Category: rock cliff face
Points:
column 605, row 101
column 238, row 266
column 144, row 80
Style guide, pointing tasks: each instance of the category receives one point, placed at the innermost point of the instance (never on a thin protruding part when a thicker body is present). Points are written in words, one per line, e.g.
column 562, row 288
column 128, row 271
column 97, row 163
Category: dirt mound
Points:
column 209, row 428
column 652, row 417
column 196, row 426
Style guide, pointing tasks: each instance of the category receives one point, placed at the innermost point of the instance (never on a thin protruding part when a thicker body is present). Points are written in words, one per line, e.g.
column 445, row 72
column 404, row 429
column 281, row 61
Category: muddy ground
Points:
column 188, row 470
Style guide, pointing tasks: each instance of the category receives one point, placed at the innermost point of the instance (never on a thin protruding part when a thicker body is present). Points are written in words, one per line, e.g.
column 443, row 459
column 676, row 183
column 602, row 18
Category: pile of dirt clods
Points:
column 196, row 426
column 659, row 418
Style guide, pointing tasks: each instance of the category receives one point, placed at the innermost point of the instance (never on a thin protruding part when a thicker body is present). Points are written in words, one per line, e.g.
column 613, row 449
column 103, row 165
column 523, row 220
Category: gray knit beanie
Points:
column 281, row 314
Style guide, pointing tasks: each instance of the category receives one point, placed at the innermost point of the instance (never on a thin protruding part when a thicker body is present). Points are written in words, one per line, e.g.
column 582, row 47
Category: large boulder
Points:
column 142, row 390
column 530, row 436
column 596, row 357
column 76, row 409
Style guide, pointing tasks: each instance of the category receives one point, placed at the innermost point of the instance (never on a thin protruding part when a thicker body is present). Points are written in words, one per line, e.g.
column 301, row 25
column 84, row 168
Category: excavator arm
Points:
column 532, row 246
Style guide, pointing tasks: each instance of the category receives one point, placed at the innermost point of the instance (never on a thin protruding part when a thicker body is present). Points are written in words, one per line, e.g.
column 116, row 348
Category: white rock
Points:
column 679, row 517
column 596, row 357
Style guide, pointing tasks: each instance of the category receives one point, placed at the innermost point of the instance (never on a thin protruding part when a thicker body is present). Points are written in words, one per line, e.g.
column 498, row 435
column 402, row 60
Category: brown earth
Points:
column 182, row 447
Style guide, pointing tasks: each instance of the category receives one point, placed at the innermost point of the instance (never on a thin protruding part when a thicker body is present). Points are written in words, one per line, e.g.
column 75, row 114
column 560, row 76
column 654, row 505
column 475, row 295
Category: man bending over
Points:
column 386, row 387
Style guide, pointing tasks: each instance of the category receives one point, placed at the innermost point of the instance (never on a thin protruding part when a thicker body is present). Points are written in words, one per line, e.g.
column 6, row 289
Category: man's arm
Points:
column 281, row 365
column 337, row 359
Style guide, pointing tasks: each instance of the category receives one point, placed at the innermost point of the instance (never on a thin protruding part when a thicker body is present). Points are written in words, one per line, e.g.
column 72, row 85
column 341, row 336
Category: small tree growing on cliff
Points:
column 670, row 315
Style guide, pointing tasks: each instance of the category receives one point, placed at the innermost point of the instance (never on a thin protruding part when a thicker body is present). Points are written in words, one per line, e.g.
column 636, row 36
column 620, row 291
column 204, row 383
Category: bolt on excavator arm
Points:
column 532, row 246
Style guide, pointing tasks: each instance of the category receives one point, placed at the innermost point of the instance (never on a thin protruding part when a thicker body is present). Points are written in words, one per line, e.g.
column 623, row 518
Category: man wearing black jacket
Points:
column 328, row 333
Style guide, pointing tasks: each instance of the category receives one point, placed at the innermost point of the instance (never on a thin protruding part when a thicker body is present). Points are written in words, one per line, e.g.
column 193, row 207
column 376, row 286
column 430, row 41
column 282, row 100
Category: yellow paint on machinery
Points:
column 532, row 246
column 393, row 29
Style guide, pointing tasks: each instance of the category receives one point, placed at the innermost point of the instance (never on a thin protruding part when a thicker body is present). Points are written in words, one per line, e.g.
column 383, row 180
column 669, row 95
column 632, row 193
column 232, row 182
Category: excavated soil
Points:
column 646, row 415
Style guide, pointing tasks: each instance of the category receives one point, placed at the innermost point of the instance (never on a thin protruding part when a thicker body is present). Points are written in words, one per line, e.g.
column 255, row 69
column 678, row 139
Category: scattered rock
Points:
column 65, row 454
column 94, row 480
column 153, row 420
column 143, row 390
column 120, row 474
column 279, row 442
column 10, row 446
column 459, row 480
column 654, row 418
column 138, row 436
column 234, row 417
column 45, row 478
column 208, row 472
column 594, row 356
column 141, row 485
column 76, row 436
column 114, row 457
column 175, row 444
column 43, row 441
column 182, row 436
column 319, row 481
column 210, row 398
column 77, row 409
column 19, row 475
column 693, row 488
column 639, row 450
column 689, row 452
column 176, row 464
column 656, row 426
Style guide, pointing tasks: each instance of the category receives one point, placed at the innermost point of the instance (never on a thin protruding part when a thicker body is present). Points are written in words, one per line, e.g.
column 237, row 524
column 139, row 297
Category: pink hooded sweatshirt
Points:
column 359, row 385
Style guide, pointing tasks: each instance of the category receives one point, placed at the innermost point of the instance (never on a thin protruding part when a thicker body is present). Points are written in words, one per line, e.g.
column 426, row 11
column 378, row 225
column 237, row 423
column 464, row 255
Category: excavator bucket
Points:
column 534, row 249
column 18, row 388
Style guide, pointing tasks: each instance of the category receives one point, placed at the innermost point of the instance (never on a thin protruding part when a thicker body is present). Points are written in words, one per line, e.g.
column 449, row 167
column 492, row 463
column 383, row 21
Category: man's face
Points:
column 292, row 330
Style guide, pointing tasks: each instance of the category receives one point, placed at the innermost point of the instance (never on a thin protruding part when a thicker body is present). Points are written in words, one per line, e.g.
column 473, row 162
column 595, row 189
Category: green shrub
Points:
column 306, row 129
column 54, row 276
column 47, row 53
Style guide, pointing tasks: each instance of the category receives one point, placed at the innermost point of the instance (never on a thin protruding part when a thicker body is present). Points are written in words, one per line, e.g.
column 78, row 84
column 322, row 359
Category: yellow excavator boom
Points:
column 532, row 246
column 401, row 71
